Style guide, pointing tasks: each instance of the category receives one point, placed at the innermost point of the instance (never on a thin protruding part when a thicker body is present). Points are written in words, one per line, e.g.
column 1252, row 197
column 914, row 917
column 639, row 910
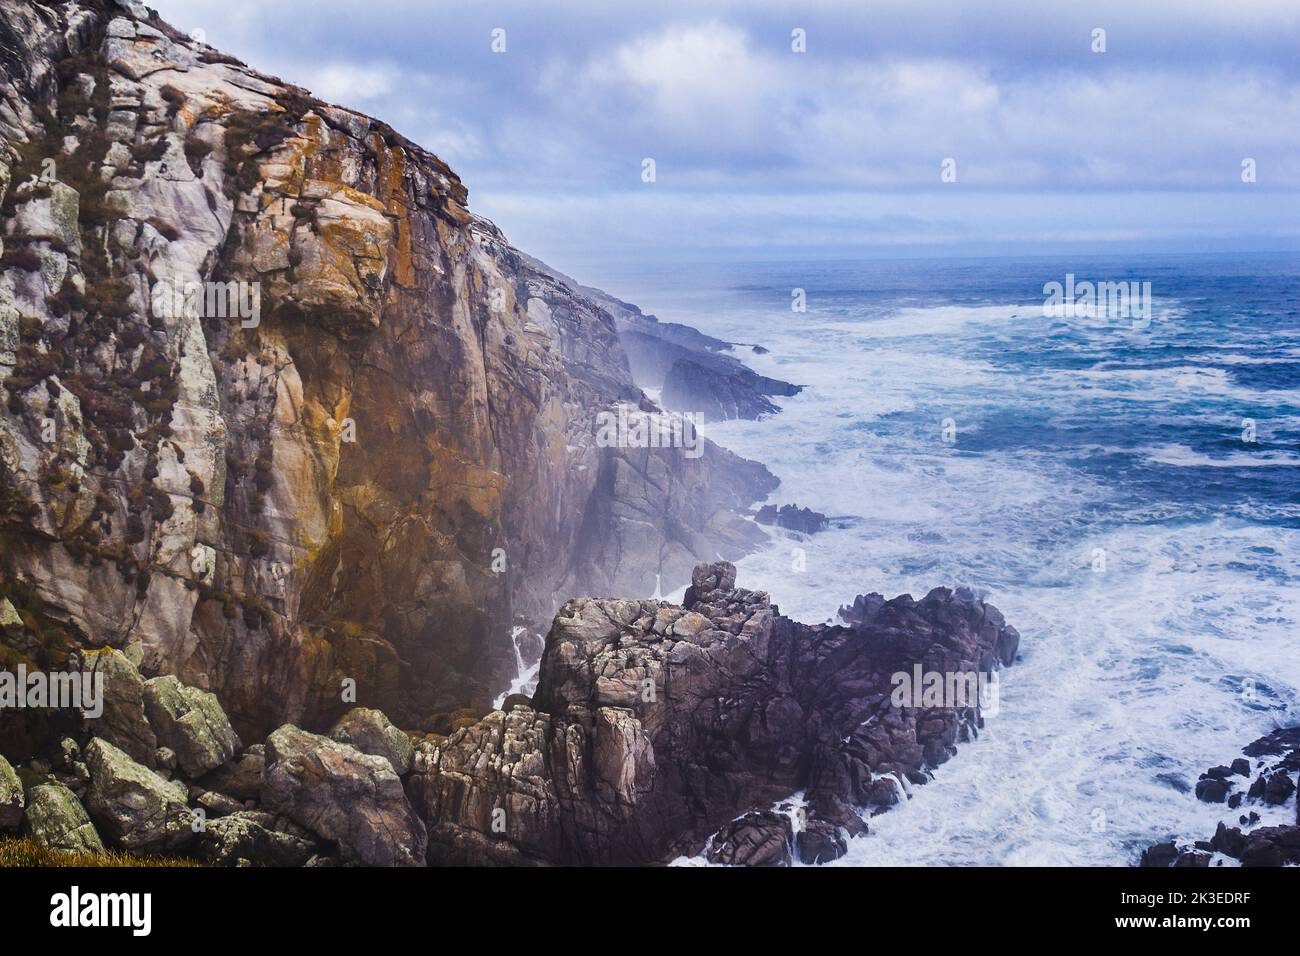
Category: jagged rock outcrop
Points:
column 653, row 725
column 690, row 368
column 1270, row 765
column 279, row 413
column 721, row 393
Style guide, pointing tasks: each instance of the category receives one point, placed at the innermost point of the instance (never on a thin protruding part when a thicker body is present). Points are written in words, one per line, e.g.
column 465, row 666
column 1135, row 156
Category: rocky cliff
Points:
column 280, row 415
column 657, row 730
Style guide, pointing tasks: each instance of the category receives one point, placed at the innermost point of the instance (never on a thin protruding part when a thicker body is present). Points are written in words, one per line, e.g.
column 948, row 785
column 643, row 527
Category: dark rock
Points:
column 820, row 842
column 1211, row 790
column 793, row 518
column 691, row 386
column 759, row 838
column 1258, row 851
column 11, row 796
column 614, row 764
column 1193, row 858
column 1162, row 854
column 1228, row 840
column 1279, row 788
column 1241, row 767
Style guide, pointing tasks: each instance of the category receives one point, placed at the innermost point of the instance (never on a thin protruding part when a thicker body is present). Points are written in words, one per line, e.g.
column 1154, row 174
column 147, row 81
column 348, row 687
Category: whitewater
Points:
column 1091, row 479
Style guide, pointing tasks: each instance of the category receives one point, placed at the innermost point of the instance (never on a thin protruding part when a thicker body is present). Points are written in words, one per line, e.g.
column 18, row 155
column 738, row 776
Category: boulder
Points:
column 11, row 796
column 134, row 807
column 793, row 518
column 56, row 819
column 123, row 722
column 343, row 795
column 1279, row 788
column 758, row 838
column 371, row 732
column 190, row 722
column 1212, row 790
column 241, row 777
column 1160, row 855
column 820, row 842
column 252, row 836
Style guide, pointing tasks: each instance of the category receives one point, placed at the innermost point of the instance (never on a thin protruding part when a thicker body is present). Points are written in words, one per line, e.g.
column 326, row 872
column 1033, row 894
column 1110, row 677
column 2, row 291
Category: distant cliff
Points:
column 366, row 453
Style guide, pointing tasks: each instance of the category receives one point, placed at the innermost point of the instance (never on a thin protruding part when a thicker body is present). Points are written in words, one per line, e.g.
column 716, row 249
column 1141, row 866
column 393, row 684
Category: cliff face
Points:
column 369, row 451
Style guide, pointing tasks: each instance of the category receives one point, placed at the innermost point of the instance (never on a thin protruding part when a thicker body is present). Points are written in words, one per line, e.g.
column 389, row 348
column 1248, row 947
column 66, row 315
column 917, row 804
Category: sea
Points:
column 1125, row 487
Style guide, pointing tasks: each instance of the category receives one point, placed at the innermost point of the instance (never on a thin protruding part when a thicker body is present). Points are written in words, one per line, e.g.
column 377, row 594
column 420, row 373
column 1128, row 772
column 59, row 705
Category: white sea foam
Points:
column 1131, row 681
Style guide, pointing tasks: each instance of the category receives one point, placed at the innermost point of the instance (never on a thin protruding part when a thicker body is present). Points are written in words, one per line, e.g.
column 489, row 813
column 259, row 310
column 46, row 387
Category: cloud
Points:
column 1010, row 90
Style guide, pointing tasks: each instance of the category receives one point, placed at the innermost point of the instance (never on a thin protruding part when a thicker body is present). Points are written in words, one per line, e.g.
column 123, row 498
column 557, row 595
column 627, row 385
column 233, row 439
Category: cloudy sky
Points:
column 760, row 151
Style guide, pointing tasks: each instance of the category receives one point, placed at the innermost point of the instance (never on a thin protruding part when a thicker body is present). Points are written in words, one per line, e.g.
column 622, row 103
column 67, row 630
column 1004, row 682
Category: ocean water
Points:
column 1094, row 481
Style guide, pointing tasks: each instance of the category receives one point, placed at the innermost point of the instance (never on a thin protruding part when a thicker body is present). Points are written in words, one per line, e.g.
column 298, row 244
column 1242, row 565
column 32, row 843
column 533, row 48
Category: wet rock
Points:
column 1211, row 790
column 1279, row 788
column 1162, row 854
column 371, row 732
column 56, row 819
column 190, row 722
column 793, row 518
column 820, row 842
column 343, row 795
column 759, row 838
column 615, row 763
column 133, row 806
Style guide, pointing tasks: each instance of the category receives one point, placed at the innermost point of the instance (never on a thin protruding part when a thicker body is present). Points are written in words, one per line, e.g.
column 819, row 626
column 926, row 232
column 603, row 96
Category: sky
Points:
column 904, row 128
